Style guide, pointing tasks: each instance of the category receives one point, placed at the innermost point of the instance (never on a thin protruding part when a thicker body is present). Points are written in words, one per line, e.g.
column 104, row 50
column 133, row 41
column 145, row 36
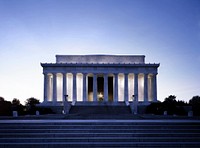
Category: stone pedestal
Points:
column 15, row 114
column 190, row 114
column 37, row 113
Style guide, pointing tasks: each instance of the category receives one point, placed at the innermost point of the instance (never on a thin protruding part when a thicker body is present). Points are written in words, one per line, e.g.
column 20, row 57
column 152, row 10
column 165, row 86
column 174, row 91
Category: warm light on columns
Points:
column 69, row 86
column 79, row 86
column 121, row 87
column 150, row 87
column 50, row 87
column 130, row 87
column 59, row 86
column 141, row 87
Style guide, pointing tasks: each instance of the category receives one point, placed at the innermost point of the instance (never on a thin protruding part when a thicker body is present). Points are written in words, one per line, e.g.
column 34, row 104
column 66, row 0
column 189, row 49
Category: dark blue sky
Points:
column 33, row 31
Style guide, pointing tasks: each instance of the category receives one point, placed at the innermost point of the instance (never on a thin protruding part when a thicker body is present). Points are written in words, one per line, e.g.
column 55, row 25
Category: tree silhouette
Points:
column 31, row 105
column 170, row 99
column 30, row 102
column 17, row 106
column 2, row 99
column 5, row 107
column 16, row 102
column 195, row 103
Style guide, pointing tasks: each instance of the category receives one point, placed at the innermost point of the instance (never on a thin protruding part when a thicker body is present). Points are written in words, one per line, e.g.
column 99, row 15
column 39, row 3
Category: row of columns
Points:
column 105, row 87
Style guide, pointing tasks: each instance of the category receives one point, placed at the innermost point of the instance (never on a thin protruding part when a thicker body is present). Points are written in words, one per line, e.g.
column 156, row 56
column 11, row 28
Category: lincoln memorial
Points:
column 100, row 78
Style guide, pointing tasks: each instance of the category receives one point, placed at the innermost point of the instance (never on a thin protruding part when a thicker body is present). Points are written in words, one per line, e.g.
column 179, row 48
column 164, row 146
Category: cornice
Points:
column 98, row 65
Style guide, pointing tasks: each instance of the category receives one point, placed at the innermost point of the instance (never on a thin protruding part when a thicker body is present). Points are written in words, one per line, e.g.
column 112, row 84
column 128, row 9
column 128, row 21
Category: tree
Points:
column 169, row 104
column 2, row 99
column 16, row 102
column 195, row 100
column 30, row 102
column 195, row 103
column 17, row 106
column 31, row 105
column 170, row 99
column 5, row 107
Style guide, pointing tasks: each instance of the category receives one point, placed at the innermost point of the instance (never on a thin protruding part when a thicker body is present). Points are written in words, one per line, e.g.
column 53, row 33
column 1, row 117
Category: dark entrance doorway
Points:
column 110, row 89
column 100, row 88
column 90, row 88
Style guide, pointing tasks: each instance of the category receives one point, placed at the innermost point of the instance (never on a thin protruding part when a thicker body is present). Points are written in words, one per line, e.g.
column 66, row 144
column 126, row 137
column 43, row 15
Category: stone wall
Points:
column 101, row 59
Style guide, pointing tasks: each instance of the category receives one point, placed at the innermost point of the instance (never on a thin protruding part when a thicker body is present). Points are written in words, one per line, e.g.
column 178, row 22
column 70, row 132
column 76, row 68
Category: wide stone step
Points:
column 98, row 122
column 99, row 139
column 119, row 134
column 101, row 144
column 103, row 130
column 99, row 133
column 98, row 126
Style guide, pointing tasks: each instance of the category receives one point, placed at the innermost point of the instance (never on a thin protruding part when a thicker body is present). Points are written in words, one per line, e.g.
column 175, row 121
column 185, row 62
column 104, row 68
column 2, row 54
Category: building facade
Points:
column 93, row 78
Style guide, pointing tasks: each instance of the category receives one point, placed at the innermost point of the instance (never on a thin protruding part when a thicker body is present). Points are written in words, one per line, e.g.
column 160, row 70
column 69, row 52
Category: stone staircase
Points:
column 99, row 133
column 93, row 110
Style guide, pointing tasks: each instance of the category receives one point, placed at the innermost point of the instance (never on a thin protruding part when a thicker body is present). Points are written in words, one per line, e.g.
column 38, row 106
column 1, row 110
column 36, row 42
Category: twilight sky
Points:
column 34, row 31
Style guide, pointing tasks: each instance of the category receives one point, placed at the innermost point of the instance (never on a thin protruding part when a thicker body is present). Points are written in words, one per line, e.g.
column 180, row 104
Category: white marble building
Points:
column 113, row 78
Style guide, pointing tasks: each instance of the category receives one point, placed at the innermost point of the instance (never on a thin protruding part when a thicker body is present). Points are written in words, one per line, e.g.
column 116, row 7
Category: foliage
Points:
column 45, row 110
column 2, row 99
column 17, row 106
column 5, row 107
column 31, row 105
column 170, row 105
column 195, row 103
column 171, row 99
column 155, row 108
column 30, row 102
column 15, row 102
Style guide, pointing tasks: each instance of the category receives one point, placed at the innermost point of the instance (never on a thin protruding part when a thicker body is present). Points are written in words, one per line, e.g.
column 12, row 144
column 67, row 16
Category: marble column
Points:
column 54, row 87
column 84, row 88
column 64, row 86
column 136, row 87
column 105, row 87
column 94, row 87
column 126, row 87
column 116, row 88
column 74, row 87
column 46, row 84
column 145, row 88
column 154, row 88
